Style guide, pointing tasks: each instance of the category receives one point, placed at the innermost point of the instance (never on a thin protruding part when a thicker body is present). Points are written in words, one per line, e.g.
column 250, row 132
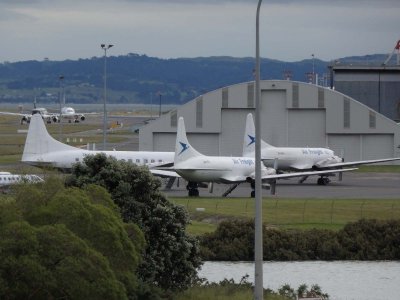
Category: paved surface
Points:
column 354, row 185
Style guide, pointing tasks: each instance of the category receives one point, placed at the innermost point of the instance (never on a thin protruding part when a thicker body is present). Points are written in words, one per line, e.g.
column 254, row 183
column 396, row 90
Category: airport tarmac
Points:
column 354, row 185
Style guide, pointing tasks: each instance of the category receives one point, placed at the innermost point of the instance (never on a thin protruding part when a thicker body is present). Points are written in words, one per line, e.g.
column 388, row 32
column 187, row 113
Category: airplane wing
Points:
column 233, row 179
column 12, row 114
column 357, row 163
column 301, row 174
column 164, row 173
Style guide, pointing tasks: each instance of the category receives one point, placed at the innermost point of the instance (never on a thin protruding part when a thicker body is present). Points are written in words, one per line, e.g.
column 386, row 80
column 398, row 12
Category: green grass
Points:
column 288, row 213
column 379, row 168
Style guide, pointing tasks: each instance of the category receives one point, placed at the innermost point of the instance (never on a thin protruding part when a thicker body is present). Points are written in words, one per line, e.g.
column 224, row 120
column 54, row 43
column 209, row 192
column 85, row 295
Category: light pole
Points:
column 105, row 48
column 313, row 69
column 61, row 78
column 258, row 235
column 159, row 108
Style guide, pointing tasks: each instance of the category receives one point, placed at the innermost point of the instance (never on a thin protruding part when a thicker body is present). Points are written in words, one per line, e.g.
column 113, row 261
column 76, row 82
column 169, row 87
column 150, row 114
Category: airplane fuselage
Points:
column 217, row 169
column 289, row 158
column 7, row 179
column 67, row 158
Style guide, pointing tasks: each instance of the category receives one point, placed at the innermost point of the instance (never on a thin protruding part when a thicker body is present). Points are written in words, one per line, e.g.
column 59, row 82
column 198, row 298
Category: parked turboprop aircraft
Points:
column 43, row 150
column 196, row 167
column 7, row 179
column 298, row 159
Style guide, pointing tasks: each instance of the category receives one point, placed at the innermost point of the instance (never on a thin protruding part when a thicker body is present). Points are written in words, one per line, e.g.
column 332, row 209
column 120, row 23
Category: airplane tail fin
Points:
column 183, row 150
column 39, row 141
column 250, row 138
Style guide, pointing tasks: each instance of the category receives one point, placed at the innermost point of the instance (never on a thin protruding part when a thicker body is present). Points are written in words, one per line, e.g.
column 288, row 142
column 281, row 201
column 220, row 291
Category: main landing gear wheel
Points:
column 253, row 186
column 323, row 181
column 193, row 190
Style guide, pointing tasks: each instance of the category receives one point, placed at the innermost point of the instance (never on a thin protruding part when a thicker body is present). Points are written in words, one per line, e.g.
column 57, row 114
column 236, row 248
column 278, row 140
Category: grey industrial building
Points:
column 376, row 86
column 292, row 114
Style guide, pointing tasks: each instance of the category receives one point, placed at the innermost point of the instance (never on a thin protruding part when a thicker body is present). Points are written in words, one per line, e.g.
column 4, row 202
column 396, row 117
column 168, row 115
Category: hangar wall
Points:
column 293, row 114
column 376, row 86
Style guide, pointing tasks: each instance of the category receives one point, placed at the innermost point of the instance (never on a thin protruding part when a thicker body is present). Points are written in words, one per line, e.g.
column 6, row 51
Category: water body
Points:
column 342, row 280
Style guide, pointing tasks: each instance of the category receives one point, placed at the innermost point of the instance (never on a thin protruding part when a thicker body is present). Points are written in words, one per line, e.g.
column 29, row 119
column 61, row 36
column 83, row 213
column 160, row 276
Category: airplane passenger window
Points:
column 130, row 160
column 77, row 159
column 153, row 161
column 137, row 160
column 146, row 161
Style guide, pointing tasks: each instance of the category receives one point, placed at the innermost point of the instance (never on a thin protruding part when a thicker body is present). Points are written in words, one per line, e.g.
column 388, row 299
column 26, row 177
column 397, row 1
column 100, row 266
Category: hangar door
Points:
column 347, row 146
column 362, row 147
column 307, row 128
column 274, row 117
column 164, row 141
column 233, row 124
column 376, row 146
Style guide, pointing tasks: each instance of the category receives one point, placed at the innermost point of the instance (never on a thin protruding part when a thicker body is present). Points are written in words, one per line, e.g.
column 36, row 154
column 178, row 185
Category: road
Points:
column 354, row 185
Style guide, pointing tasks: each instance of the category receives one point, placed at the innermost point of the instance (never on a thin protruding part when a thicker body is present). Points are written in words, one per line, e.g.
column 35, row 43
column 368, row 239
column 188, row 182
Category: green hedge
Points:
column 362, row 240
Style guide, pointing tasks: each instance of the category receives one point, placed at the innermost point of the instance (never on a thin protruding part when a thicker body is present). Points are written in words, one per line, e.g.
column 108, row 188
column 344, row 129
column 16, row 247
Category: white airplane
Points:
column 66, row 112
column 69, row 114
column 43, row 150
column 26, row 117
column 297, row 158
column 198, row 168
column 7, row 179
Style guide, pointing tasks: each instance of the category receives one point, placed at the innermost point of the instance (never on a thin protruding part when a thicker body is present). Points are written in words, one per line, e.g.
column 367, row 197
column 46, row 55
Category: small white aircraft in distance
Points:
column 198, row 168
column 7, row 179
column 297, row 158
column 66, row 112
column 43, row 150
column 26, row 117
column 69, row 114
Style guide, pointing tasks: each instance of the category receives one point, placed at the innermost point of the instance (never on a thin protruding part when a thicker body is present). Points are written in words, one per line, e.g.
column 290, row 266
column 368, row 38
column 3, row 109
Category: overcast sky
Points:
column 290, row 30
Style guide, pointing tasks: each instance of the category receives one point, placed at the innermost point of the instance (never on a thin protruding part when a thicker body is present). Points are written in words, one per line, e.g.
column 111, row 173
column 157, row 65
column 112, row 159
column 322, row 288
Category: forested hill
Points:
column 137, row 78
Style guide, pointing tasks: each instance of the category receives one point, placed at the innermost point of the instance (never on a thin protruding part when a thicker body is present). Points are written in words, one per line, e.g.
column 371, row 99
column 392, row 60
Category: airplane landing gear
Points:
column 192, row 188
column 323, row 181
column 253, row 186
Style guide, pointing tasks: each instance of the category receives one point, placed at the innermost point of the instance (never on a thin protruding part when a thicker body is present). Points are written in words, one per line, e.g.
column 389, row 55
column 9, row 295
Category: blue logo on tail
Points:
column 252, row 139
column 184, row 147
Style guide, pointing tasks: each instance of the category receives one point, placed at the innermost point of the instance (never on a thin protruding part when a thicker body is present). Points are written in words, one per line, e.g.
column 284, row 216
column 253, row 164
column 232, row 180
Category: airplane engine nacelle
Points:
column 268, row 171
column 82, row 118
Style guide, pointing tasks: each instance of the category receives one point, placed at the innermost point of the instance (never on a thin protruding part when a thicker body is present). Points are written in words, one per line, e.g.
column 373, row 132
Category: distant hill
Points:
column 137, row 78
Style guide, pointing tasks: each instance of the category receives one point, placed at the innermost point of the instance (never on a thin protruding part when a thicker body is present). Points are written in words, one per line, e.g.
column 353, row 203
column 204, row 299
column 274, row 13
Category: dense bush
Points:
column 362, row 240
column 66, row 243
column 171, row 257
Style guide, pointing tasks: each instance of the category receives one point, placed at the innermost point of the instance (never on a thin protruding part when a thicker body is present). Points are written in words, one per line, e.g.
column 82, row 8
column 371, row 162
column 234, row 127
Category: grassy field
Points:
column 287, row 213
column 12, row 143
column 379, row 168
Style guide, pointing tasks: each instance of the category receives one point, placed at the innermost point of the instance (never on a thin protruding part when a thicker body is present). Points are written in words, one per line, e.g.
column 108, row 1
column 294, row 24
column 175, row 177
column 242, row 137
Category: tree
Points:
column 171, row 257
column 57, row 242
